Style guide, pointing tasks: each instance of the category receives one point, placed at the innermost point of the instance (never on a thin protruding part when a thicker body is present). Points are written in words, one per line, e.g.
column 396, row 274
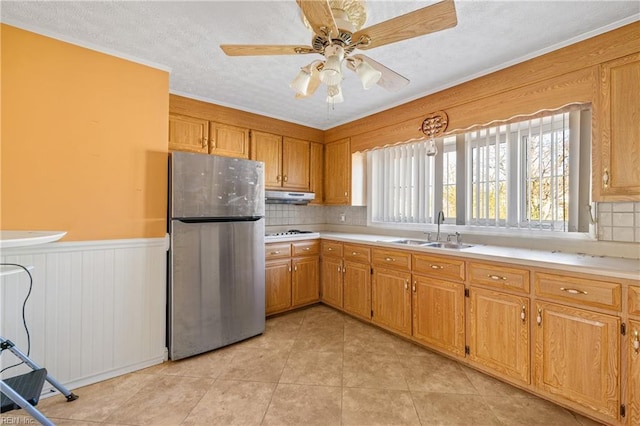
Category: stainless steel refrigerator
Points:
column 216, row 258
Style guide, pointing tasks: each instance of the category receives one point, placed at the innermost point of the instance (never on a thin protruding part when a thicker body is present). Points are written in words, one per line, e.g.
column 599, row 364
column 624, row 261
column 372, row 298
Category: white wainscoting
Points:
column 96, row 310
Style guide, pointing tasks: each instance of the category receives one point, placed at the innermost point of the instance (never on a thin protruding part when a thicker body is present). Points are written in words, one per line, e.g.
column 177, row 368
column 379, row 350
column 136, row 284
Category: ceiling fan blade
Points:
column 313, row 84
column 390, row 80
column 265, row 49
column 319, row 15
column 423, row 21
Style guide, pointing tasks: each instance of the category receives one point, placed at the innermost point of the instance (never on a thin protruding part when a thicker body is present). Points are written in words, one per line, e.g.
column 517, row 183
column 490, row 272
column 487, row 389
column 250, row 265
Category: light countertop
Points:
column 566, row 262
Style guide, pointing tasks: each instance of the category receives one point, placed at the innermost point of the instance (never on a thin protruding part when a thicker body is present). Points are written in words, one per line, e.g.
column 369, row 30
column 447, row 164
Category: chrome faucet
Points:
column 439, row 221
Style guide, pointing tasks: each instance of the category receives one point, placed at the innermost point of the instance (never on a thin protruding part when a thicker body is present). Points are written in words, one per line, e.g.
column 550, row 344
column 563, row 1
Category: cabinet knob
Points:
column 406, row 284
column 204, row 142
column 307, row 248
column 295, row 268
column 330, row 249
column 346, row 194
column 285, row 178
column 605, row 178
column 278, row 178
column 414, row 286
column 436, row 267
column 354, row 253
column 523, row 314
column 636, row 342
column 539, row 317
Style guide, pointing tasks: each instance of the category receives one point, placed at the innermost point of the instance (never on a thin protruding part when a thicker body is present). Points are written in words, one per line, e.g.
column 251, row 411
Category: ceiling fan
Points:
column 337, row 33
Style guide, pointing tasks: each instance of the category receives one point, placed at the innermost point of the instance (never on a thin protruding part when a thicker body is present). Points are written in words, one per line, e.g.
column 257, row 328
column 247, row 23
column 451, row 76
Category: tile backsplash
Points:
column 618, row 222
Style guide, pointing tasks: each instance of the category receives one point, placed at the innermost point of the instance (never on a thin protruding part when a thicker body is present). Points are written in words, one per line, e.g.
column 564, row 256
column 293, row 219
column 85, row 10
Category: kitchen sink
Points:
column 410, row 242
column 448, row 245
column 438, row 244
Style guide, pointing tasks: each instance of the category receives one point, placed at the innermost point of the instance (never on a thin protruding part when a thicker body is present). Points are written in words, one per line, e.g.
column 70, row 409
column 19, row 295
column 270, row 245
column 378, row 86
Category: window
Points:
column 522, row 175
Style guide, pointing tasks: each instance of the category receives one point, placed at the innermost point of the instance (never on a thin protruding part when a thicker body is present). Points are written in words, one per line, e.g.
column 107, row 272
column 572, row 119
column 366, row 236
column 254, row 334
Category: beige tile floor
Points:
column 312, row 367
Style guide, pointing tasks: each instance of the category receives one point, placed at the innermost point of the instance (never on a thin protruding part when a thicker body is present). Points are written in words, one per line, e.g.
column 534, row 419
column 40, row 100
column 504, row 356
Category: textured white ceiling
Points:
column 184, row 37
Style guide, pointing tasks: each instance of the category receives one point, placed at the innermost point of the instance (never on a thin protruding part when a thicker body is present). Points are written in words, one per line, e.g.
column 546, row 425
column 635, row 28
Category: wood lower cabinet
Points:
column 438, row 313
column 292, row 275
column 498, row 332
column 391, row 299
column 576, row 356
column 277, row 285
column 332, row 281
column 633, row 373
column 357, row 289
column 337, row 172
column 305, row 280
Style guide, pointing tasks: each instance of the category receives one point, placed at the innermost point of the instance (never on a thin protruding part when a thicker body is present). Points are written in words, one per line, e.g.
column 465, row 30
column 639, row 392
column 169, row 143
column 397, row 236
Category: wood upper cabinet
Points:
column 228, row 141
column 267, row 148
column 633, row 373
column 188, row 134
column 287, row 160
column 498, row 332
column 198, row 135
column 616, row 147
column 337, row 172
column 438, row 313
column 576, row 356
column 277, row 285
column 357, row 289
column 316, row 171
column 391, row 299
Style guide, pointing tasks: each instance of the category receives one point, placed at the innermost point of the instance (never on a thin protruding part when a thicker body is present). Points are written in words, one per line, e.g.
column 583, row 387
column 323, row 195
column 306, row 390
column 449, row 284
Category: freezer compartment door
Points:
column 216, row 285
column 204, row 185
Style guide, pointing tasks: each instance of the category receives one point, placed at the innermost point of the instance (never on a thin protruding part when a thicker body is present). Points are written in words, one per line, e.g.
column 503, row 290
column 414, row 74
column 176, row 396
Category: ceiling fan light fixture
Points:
column 301, row 82
column 334, row 94
column 331, row 73
column 367, row 74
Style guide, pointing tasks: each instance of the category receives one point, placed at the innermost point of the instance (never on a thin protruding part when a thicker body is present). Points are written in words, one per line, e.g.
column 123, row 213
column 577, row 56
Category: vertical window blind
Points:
column 402, row 179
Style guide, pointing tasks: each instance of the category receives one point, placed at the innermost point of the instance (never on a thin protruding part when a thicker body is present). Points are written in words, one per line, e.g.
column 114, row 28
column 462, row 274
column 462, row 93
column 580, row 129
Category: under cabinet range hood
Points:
column 288, row 197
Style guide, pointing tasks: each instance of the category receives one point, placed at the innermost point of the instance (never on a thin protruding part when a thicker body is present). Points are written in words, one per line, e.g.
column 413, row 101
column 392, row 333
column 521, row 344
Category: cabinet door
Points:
column 357, row 289
column 337, row 172
column 277, row 285
column 229, row 141
column 188, row 134
column 306, row 280
column 576, row 356
column 634, row 373
column 295, row 164
column 438, row 313
column 498, row 334
column 391, row 299
column 267, row 148
column 616, row 152
column 316, row 166
column 332, row 281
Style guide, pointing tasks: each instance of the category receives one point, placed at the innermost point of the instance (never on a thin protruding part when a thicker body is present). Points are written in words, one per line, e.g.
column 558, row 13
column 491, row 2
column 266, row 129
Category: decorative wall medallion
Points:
column 435, row 124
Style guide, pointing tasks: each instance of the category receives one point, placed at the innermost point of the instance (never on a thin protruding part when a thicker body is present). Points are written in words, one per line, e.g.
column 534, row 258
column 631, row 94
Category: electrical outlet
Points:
column 343, row 217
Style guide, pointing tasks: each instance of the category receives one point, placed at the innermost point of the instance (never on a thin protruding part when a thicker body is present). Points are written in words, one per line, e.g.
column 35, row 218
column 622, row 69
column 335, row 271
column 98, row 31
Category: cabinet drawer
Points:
column 306, row 248
column 583, row 291
column 331, row 248
column 438, row 267
column 277, row 250
column 499, row 276
column 357, row 253
column 634, row 300
column 397, row 259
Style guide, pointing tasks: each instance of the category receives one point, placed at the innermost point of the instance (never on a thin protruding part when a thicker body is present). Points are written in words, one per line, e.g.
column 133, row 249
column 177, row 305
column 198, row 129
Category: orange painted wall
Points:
column 84, row 140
